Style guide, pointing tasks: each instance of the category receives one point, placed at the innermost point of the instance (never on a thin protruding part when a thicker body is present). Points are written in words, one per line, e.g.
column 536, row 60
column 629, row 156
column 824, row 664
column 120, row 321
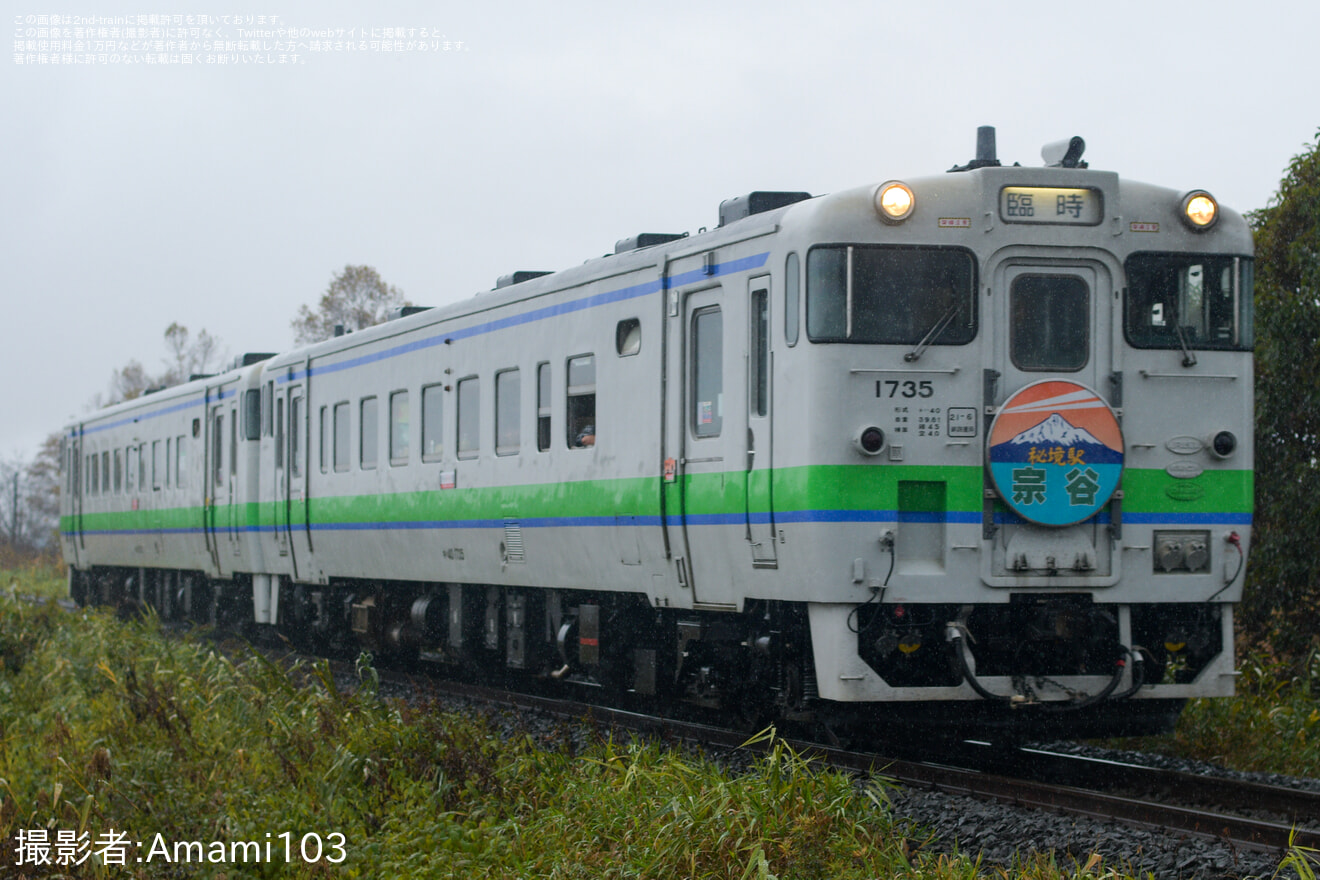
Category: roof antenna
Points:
column 985, row 150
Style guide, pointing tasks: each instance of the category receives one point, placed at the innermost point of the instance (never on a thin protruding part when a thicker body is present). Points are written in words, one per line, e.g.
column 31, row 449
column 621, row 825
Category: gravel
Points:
column 996, row 834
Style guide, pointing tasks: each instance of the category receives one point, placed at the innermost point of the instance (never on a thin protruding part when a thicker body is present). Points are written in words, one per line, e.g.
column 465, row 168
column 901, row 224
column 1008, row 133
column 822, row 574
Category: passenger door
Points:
column 713, row 462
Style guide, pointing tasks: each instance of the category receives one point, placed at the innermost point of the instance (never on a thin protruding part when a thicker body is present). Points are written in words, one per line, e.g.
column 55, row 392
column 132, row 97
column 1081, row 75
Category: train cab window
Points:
column 218, row 444
column 180, row 463
column 707, row 373
column 433, row 402
column 891, row 295
column 368, row 441
column 1188, row 301
column 628, row 337
column 469, row 417
column 581, row 400
column 342, row 434
column 1050, row 323
column 400, row 426
column 542, row 407
column 323, row 452
column 508, row 405
column 792, row 287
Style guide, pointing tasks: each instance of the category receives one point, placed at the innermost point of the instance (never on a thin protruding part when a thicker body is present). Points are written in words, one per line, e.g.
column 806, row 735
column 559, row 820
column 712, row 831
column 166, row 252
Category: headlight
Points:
column 894, row 202
column 1199, row 209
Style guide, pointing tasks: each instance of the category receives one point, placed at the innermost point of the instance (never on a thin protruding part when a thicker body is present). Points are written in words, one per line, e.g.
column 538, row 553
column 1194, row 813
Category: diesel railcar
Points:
column 969, row 450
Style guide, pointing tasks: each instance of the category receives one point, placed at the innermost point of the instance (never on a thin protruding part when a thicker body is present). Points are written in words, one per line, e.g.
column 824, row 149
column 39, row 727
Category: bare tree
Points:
column 188, row 356
column 356, row 298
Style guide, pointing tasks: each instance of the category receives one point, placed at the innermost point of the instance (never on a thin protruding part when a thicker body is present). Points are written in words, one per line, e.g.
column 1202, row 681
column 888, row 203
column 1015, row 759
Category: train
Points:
column 968, row 453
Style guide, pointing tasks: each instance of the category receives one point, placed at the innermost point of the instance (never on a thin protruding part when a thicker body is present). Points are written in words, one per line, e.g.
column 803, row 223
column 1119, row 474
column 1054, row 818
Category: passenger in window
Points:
column 586, row 438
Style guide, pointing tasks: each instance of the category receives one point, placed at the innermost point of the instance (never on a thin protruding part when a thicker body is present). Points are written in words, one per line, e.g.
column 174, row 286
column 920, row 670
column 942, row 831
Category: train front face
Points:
column 1029, row 397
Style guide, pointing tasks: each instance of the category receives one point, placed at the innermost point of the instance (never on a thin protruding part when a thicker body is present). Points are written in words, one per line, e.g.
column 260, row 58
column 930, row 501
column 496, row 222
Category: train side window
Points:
column 469, row 417
column 542, row 407
column 433, row 443
column 218, row 448
column 252, row 414
column 1050, row 325
column 169, row 459
column 93, row 474
column 295, row 435
column 581, row 398
column 142, row 467
column 508, row 403
column 324, row 452
column 129, row 485
column 268, row 409
column 180, row 463
column 119, row 473
column 792, row 288
column 707, row 373
column 400, row 426
column 758, row 398
column 628, row 337
column 233, row 442
column 279, row 433
column 342, row 434
column 105, row 472
column 157, row 466
column 369, row 438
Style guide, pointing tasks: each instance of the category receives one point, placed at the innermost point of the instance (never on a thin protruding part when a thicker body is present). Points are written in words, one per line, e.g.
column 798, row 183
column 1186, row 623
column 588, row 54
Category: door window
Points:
column 1050, row 324
column 707, row 373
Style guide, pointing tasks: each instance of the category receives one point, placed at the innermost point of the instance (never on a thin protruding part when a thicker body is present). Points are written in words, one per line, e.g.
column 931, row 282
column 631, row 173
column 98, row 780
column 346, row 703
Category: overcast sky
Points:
column 223, row 196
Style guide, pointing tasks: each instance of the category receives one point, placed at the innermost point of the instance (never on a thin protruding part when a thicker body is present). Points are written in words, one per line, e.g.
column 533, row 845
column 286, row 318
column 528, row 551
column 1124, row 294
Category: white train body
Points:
column 759, row 454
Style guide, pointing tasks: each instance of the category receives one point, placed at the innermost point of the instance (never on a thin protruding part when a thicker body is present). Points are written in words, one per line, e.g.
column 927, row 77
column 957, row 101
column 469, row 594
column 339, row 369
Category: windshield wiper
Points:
column 945, row 320
column 1189, row 359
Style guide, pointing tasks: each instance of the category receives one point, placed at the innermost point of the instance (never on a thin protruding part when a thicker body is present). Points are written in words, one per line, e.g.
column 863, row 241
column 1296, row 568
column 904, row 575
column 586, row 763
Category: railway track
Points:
column 1249, row 815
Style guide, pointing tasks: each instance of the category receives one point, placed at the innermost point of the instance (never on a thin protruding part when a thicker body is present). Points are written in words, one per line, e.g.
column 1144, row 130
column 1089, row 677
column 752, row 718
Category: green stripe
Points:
column 817, row 488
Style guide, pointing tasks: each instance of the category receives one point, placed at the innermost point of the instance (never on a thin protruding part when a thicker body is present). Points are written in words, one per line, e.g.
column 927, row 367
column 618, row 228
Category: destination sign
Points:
column 1051, row 204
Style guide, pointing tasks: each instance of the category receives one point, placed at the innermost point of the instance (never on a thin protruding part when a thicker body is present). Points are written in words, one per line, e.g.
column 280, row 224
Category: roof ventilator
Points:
column 757, row 203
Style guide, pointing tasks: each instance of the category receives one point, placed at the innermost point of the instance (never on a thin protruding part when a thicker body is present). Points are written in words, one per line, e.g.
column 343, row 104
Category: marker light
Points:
column 894, row 202
column 1199, row 209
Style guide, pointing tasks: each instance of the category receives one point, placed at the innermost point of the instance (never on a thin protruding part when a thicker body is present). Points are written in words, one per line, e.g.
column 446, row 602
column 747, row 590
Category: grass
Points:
column 105, row 726
column 34, row 577
column 1273, row 725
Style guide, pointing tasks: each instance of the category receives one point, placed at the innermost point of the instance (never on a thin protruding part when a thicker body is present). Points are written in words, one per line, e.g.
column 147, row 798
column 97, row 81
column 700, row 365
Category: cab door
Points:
column 218, row 498
column 1054, row 322
column 296, row 522
column 760, row 514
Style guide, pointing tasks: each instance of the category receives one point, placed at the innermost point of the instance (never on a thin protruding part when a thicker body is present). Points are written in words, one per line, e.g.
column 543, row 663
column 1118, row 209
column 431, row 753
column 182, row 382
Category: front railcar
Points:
column 1023, row 484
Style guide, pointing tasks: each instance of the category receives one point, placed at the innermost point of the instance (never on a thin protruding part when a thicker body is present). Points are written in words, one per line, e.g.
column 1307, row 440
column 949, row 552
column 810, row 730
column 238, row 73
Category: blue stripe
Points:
column 704, row 519
column 552, row 311
column 164, row 411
